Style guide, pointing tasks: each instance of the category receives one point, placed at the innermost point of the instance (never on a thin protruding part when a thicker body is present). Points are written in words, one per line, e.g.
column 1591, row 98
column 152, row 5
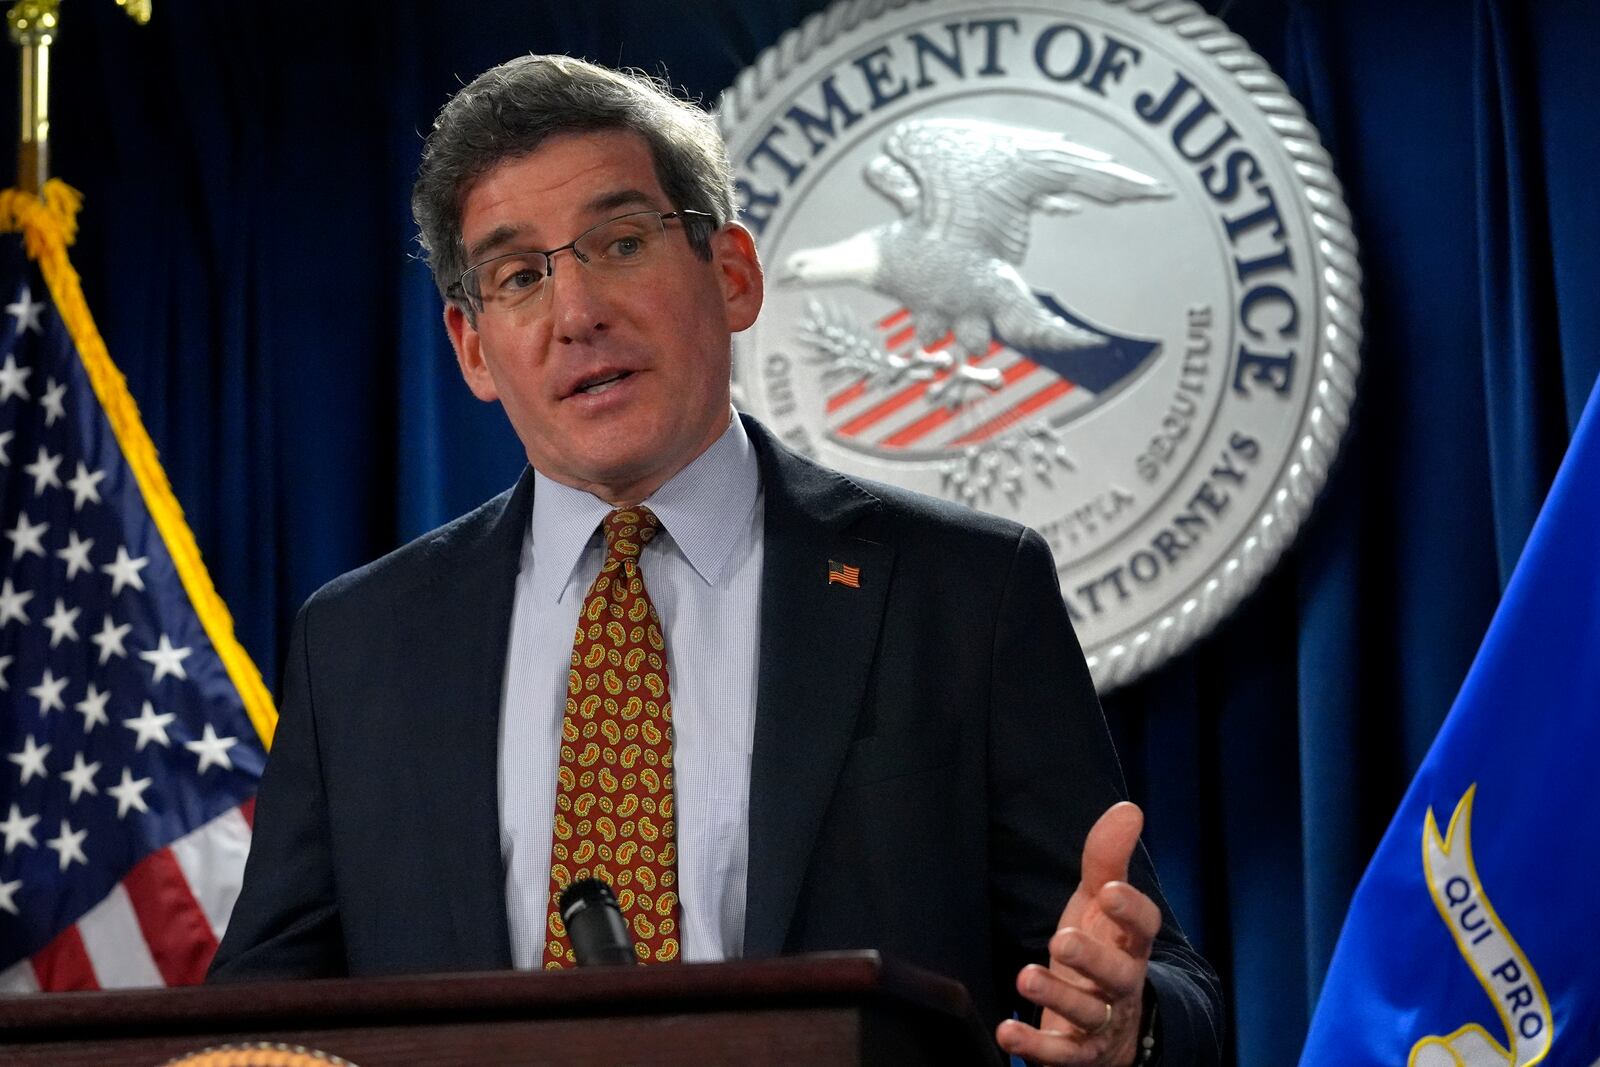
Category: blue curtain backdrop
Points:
column 246, row 247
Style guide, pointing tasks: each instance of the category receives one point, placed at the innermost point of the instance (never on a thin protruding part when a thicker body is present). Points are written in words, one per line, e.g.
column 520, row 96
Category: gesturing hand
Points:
column 1093, row 990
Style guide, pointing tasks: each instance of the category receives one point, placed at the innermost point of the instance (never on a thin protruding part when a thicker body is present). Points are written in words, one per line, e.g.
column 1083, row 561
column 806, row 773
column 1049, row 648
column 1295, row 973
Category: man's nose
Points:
column 578, row 302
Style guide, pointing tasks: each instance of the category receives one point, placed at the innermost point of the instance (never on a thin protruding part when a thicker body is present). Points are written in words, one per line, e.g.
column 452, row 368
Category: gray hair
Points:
column 508, row 112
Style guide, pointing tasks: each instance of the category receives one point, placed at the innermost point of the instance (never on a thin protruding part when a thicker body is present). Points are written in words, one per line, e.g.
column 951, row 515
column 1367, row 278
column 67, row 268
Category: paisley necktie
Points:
column 615, row 815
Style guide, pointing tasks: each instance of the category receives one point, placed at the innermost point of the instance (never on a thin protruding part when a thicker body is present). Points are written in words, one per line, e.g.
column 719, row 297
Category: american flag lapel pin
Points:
column 844, row 574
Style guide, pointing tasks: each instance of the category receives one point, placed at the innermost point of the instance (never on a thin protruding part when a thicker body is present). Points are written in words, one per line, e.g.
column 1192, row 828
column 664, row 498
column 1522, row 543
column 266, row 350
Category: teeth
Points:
column 601, row 386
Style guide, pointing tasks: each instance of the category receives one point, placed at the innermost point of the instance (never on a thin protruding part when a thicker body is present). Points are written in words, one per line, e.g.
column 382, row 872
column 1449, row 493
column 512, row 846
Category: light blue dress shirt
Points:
column 704, row 577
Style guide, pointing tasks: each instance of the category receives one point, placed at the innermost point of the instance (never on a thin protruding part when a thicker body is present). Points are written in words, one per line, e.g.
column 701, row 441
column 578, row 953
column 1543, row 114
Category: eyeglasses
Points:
column 614, row 247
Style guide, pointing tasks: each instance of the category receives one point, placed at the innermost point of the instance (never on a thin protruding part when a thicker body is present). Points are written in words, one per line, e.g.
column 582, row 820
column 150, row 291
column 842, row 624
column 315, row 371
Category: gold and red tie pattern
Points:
column 615, row 816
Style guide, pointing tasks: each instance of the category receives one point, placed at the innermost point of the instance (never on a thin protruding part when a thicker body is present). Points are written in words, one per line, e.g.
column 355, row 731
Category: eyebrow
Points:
column 504, row 235
column 620, row 198
column 495, row 238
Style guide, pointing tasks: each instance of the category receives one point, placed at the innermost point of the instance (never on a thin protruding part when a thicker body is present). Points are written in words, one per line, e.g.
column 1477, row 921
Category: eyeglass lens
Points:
column 615, row 245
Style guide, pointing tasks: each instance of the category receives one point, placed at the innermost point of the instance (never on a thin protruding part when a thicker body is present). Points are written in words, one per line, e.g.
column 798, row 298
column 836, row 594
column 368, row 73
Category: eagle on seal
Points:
column 967, row 191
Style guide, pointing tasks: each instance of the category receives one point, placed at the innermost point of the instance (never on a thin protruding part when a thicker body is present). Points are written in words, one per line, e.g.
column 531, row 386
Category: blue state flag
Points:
column 132, row 725
column 1472, row 939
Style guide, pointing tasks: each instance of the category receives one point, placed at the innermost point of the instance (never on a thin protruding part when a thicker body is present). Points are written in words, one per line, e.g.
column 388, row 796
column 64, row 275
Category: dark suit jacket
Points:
column 929, row 754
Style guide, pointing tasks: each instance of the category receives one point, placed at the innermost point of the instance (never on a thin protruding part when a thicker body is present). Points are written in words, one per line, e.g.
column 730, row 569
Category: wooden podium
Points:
column 833, row 1010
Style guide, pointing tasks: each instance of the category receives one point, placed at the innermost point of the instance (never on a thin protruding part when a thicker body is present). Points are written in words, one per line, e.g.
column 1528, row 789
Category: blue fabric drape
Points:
column 247, row 249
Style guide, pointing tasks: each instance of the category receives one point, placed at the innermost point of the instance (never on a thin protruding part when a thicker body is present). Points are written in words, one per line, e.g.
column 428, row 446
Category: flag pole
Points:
column 33, row 25
column 33, row 30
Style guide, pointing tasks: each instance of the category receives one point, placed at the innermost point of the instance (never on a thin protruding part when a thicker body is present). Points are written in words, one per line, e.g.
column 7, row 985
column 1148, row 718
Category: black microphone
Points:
column 595, row 924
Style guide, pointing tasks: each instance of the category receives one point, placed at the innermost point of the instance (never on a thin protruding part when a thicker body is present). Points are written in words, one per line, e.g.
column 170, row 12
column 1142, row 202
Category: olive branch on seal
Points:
column 844, row 350
column 1002, row 463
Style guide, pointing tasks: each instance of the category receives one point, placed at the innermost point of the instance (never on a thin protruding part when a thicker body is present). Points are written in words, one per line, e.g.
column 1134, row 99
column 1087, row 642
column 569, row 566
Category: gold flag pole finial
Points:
column 138, row 10
column 33, row 26
column 33, row 29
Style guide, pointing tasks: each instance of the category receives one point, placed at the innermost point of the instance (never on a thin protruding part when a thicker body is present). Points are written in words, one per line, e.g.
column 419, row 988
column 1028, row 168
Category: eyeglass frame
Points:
column 458, row 289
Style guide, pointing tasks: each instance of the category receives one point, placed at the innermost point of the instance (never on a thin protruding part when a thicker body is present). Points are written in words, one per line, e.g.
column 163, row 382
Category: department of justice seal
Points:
column 1082, row 264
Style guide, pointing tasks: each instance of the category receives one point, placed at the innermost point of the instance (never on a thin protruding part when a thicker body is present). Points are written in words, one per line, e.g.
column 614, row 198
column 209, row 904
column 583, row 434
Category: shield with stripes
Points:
column 934, row 412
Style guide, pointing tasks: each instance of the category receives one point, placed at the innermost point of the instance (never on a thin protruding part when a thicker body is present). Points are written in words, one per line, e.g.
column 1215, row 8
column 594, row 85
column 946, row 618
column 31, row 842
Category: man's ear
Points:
column 469, row 352
column 739, row 273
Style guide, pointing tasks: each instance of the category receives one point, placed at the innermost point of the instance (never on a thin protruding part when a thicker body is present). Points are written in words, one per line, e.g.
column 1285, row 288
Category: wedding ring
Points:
column 1103, row 1024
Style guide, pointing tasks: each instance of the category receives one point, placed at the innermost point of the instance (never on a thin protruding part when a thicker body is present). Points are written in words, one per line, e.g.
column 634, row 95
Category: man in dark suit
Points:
column 902, row 750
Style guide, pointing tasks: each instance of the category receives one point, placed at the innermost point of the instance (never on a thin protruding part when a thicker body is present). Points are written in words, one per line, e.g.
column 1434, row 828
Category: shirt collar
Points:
column 705, row 508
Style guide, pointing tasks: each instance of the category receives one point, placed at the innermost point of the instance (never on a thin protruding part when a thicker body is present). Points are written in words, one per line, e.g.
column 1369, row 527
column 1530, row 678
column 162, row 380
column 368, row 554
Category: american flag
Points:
column 131, row 722
column 844, row 574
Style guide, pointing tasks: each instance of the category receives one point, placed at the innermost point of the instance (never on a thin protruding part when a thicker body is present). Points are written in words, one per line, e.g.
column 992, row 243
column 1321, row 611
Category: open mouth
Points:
column 600, row 385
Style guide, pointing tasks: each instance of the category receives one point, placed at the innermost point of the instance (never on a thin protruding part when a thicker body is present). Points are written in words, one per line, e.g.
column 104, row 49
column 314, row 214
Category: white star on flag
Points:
column 8, row 893
column 5, row 439
column 149, row 726
column 43, row 471
column 212, row 750
column 85, row 486
column 5, row 664
column 18, row 829
column 76, row 554
column 93, row 708
column 81, row 777
column 109, row 639
column 68, row 844
column 26, row 537
column 53, row 401
column 12, row 603
column 167, row 660
column 129, row 794
column 62, row 624
column 26, row 310
column 14, row 380
column 124, row 570
column 48, row 693
column 31, row 759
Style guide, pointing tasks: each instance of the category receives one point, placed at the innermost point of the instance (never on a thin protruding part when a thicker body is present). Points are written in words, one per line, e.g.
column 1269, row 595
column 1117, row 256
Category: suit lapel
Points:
column 457, row 744
column 817, row 643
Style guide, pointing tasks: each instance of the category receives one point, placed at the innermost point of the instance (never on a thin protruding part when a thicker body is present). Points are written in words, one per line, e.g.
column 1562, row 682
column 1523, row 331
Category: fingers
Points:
column 1078, row 1026
column 1111, row 972
column 1092, row 991
column 1084, row 1021
column 1093, row 988
column 1110, row 845
column 1136, row 917
column 1045, row 1046
column 1082, row 1006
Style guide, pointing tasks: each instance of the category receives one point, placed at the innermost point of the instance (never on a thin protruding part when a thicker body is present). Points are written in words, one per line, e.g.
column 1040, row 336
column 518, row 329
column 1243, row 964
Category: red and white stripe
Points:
column 159, row 926
column 900, row 418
